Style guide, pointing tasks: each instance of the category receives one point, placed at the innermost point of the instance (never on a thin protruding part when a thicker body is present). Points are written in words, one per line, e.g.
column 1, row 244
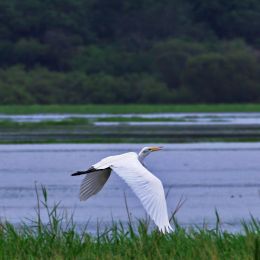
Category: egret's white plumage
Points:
column 145, row 185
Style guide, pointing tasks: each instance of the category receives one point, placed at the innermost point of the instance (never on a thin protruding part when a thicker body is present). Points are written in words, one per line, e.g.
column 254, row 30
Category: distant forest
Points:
column 131, row 51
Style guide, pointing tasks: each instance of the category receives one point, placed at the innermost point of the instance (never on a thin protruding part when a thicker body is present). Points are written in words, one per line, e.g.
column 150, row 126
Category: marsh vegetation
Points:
column 59, row 238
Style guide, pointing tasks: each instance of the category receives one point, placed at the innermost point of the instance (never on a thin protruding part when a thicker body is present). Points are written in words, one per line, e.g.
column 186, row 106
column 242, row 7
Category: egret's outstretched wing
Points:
column 146, row 186
column 93, row 183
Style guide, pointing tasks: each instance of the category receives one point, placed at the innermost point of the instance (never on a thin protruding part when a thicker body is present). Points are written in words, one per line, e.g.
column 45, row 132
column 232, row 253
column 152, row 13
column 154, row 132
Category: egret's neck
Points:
column 141, row 156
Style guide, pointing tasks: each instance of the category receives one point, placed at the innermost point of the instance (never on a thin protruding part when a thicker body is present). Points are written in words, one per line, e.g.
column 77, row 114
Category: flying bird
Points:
column 129, row 166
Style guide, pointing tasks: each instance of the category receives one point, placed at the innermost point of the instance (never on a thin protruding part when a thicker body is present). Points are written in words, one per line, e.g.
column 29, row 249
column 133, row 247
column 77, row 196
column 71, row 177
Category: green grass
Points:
column 59, row 239
column 133, row 108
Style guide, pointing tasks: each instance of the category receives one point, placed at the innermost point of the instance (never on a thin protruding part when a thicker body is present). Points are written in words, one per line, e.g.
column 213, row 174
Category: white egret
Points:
column 129, row 166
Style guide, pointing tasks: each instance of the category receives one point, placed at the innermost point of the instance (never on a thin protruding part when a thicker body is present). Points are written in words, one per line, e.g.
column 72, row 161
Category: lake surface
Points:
column 222, row 176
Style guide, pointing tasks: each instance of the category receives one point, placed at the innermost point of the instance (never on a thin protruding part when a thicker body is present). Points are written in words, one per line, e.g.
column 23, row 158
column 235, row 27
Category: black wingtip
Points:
column 91, row 169
column 78, row 173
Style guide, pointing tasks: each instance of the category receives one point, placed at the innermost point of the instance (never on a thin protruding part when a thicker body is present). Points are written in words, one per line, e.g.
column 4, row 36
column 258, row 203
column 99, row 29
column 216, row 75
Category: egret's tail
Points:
column 166, row 229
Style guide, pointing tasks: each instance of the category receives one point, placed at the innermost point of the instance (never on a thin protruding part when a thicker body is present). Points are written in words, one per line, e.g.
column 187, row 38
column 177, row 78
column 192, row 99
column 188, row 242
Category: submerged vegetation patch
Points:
column 42, row 124
column 59, row 238
column 124, row 124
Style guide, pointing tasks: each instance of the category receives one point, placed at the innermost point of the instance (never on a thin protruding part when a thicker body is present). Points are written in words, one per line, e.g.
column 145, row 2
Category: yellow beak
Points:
column 156, row 148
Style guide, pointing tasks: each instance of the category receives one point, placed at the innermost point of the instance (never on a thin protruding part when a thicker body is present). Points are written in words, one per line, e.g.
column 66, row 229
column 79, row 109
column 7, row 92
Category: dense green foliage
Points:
column 59, row 239
column 145, row 51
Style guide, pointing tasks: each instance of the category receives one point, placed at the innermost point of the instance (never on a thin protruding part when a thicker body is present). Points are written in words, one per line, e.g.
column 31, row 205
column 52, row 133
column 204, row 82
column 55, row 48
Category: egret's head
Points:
column 147, row 150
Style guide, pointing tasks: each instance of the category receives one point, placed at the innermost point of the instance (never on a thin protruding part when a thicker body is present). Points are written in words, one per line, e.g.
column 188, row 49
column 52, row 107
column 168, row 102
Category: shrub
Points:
column 223, row 78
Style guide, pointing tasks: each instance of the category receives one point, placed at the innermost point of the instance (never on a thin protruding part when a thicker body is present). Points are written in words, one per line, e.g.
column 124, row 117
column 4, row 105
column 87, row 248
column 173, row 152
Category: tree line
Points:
column 145, row 51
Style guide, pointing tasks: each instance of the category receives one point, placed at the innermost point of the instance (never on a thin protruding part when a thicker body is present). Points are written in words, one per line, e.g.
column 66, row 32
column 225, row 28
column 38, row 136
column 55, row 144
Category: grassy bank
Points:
column 134, row 108
column 119, row 243
column 58, row 238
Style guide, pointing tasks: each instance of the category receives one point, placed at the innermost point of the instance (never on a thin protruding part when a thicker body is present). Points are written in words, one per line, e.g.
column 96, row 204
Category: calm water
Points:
column 225, row 176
